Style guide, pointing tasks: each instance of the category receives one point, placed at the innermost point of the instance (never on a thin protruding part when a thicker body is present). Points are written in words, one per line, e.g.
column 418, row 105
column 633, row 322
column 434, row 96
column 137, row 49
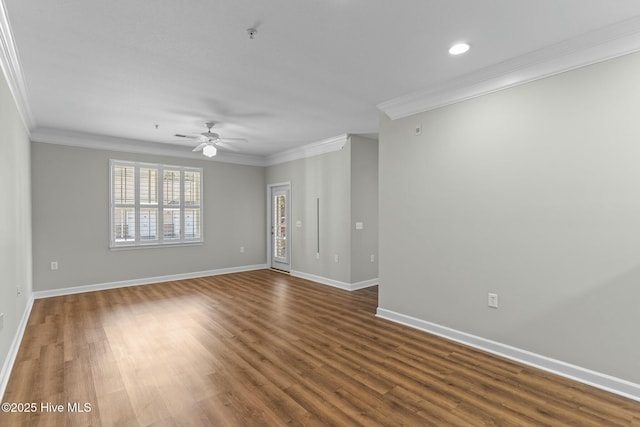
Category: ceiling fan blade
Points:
column 210, row 135
column 179, row 135
column 226, row 147
column 213, row 139
column 200, row 147
column 233, row 140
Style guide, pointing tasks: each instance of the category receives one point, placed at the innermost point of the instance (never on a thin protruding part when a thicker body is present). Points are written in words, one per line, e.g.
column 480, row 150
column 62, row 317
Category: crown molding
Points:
column 110, row 143
column 309, row 150
column 596, row 46
column 10, row 64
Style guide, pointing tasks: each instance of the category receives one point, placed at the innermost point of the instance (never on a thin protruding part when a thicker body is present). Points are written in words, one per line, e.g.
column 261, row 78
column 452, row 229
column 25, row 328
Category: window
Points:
column 155, row 204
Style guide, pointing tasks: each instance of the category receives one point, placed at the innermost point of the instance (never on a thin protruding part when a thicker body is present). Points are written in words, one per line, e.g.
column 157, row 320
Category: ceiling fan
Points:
column 211, row 141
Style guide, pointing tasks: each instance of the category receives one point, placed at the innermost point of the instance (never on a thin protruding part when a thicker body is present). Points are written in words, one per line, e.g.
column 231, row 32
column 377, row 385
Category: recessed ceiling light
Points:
column 459, row 48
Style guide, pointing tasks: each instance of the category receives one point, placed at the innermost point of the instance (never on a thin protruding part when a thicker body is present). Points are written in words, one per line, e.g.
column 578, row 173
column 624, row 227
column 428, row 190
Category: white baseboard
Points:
column 144, row 281
column 364, row 284
column 7, row 367
column 596, row 379
column 335, row 283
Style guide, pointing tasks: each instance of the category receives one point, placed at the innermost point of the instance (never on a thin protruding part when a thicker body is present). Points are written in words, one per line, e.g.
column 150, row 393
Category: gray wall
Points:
column 15, row 220
column 71, row 220
column 533, row 193
column 327, row 177
column 364, row 208
column 346, row 183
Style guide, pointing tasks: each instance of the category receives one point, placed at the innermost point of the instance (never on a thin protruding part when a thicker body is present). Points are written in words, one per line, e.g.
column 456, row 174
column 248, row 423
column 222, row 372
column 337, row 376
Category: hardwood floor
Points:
column 265, row 349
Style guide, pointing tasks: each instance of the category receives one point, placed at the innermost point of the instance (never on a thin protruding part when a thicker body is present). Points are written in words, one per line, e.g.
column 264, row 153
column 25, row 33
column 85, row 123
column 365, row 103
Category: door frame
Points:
column 270, row 220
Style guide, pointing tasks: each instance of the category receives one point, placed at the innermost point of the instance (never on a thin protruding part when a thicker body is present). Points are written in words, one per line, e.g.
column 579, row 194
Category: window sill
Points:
column 155, row 245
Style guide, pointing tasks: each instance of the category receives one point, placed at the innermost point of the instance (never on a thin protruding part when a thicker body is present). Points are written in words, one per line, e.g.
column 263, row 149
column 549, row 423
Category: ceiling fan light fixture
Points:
column 209, row 150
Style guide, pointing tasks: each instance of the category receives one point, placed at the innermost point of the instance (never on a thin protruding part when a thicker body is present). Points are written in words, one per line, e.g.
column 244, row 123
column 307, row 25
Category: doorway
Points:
column 280, row 219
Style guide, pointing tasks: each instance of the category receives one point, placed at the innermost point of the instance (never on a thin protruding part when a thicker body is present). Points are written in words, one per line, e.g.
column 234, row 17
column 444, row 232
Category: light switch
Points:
column 359, row 225
column 299, row 224
column 492, row 300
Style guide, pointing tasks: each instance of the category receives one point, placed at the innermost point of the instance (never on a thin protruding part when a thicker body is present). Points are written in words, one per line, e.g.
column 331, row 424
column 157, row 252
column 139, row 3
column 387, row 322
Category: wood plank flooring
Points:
column 265, row 349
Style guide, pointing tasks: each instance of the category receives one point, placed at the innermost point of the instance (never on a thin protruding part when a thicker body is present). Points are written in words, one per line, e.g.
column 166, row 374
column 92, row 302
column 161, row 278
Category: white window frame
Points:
column 137, row 205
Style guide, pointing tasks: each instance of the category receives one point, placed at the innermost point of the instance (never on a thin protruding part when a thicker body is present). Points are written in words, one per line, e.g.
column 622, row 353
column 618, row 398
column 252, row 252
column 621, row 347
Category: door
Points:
column 280, row 221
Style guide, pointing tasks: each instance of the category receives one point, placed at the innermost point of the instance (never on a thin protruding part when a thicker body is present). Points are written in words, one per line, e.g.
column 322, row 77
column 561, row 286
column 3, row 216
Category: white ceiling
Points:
column 316, row 68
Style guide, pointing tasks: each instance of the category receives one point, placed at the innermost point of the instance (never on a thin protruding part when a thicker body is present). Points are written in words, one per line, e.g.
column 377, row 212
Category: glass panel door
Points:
column 280, row 241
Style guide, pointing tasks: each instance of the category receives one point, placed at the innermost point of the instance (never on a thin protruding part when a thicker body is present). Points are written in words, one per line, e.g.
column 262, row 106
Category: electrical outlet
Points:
column 336, row 258
column 54, row 265
column 492, row 300
column 317, row 255
column 373, row 258
column 241, row 249
column 18, row 291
